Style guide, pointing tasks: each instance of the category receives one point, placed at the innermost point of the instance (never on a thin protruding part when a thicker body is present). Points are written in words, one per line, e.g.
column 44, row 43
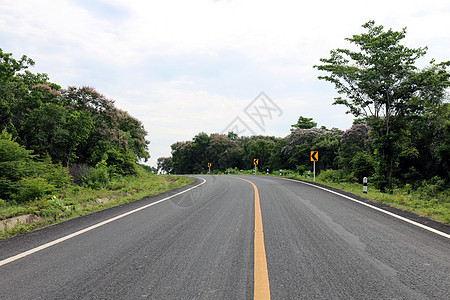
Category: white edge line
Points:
column 67, row 237
column 376, row 208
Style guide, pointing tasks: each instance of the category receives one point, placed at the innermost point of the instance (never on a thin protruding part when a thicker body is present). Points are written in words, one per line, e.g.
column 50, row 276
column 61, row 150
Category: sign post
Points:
column 314, row 156
column 255, row 162
column 209, row 168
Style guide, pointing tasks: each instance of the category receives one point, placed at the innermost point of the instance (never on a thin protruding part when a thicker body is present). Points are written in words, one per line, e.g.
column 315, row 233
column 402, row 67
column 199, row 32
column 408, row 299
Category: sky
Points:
column 185, row 67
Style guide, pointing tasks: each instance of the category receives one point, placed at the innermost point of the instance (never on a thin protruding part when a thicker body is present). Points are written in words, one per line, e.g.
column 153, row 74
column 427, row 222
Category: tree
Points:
column 183, row 158
column 355, row 154
column 52, row 129
column 300, row 142
column 117, row 137
column 165, row 164
column 257, row 147
column 305, row 123
column 75, row 125
column 223, row 152
column 383, row 86
column 12, row 88
column 277, row 160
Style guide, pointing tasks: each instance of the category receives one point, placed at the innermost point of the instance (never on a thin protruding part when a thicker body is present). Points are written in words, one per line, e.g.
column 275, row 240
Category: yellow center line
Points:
column 261, row 289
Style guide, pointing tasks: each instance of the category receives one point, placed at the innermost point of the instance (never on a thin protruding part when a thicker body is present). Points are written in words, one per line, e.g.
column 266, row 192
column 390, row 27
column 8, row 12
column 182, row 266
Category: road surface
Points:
column 204, row 244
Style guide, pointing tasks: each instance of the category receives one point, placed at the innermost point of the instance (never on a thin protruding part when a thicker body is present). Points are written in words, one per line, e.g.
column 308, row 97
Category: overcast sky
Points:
column 183, row 67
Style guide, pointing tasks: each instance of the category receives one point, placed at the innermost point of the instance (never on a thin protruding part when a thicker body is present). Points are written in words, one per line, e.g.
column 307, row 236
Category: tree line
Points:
column 46, row 130
column 401, row 130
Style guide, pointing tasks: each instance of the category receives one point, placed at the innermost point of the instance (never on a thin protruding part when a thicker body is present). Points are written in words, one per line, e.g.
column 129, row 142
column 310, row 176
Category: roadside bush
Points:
column 363, row 165
column 21, row 173
column 124, row 162
column 433, row 187
column 78, row 171
column 99, row 176
column 29, row 189
column 336, row 176
column 55, row 174
column 302, row 169
column 232, row 171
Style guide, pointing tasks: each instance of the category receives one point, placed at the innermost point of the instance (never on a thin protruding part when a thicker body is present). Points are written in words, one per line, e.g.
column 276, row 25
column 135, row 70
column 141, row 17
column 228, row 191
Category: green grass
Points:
column 77, row 201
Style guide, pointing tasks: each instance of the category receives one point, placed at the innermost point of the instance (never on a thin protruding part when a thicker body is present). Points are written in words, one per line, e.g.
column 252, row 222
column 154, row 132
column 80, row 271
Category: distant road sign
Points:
column 255, row 161
column 209, row 165
column 314, row 155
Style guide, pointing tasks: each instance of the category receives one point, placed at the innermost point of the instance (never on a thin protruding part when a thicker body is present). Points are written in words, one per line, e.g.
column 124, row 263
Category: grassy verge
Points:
column 435, row 206
column 77, row 201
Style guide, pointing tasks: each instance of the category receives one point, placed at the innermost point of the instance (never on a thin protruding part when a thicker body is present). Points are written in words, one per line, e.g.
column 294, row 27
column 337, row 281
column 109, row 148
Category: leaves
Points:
column 380, row 83
column 77, row 125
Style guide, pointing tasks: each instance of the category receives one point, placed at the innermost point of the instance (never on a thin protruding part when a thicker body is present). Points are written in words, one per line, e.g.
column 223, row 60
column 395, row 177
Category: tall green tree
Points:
column 14, row 90
column 381, row 84
column 223, row 152
column 305, row 123
column 257, row 147
column 165, row 164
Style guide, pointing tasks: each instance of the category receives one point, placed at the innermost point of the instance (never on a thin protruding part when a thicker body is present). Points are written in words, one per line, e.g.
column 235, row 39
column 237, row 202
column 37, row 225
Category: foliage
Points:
column 335, row 176
column 77, row 125
column 300, row 142
column 165, row 164
column 382, row 85
column 28, row 189
column 98, row 177
column 22, row 177
column 193, row 156
column 305, row 123
column 355, row 154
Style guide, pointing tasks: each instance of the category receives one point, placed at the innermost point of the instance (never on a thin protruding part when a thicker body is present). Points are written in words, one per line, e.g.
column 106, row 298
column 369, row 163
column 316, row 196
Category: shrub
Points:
column 79, row 171
column 98, row 177
column 233, row 171
column 433, row 186
column 21, row 173
column 363, row 165
column 56, row 174
column 336, row 176
column 29, row 189
column 124, row 162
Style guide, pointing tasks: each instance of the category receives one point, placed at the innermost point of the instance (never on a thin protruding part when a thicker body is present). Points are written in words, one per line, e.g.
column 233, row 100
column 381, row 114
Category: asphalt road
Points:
column 201, row 245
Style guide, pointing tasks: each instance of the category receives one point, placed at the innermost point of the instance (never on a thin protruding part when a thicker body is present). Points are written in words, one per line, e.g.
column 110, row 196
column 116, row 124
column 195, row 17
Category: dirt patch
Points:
column 106, row 199
column 103, row 200
column 23, row 220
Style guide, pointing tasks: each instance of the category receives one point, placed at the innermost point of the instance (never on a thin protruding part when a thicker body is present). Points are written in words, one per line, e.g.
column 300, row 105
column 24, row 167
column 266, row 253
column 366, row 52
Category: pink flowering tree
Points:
column 117, row 137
